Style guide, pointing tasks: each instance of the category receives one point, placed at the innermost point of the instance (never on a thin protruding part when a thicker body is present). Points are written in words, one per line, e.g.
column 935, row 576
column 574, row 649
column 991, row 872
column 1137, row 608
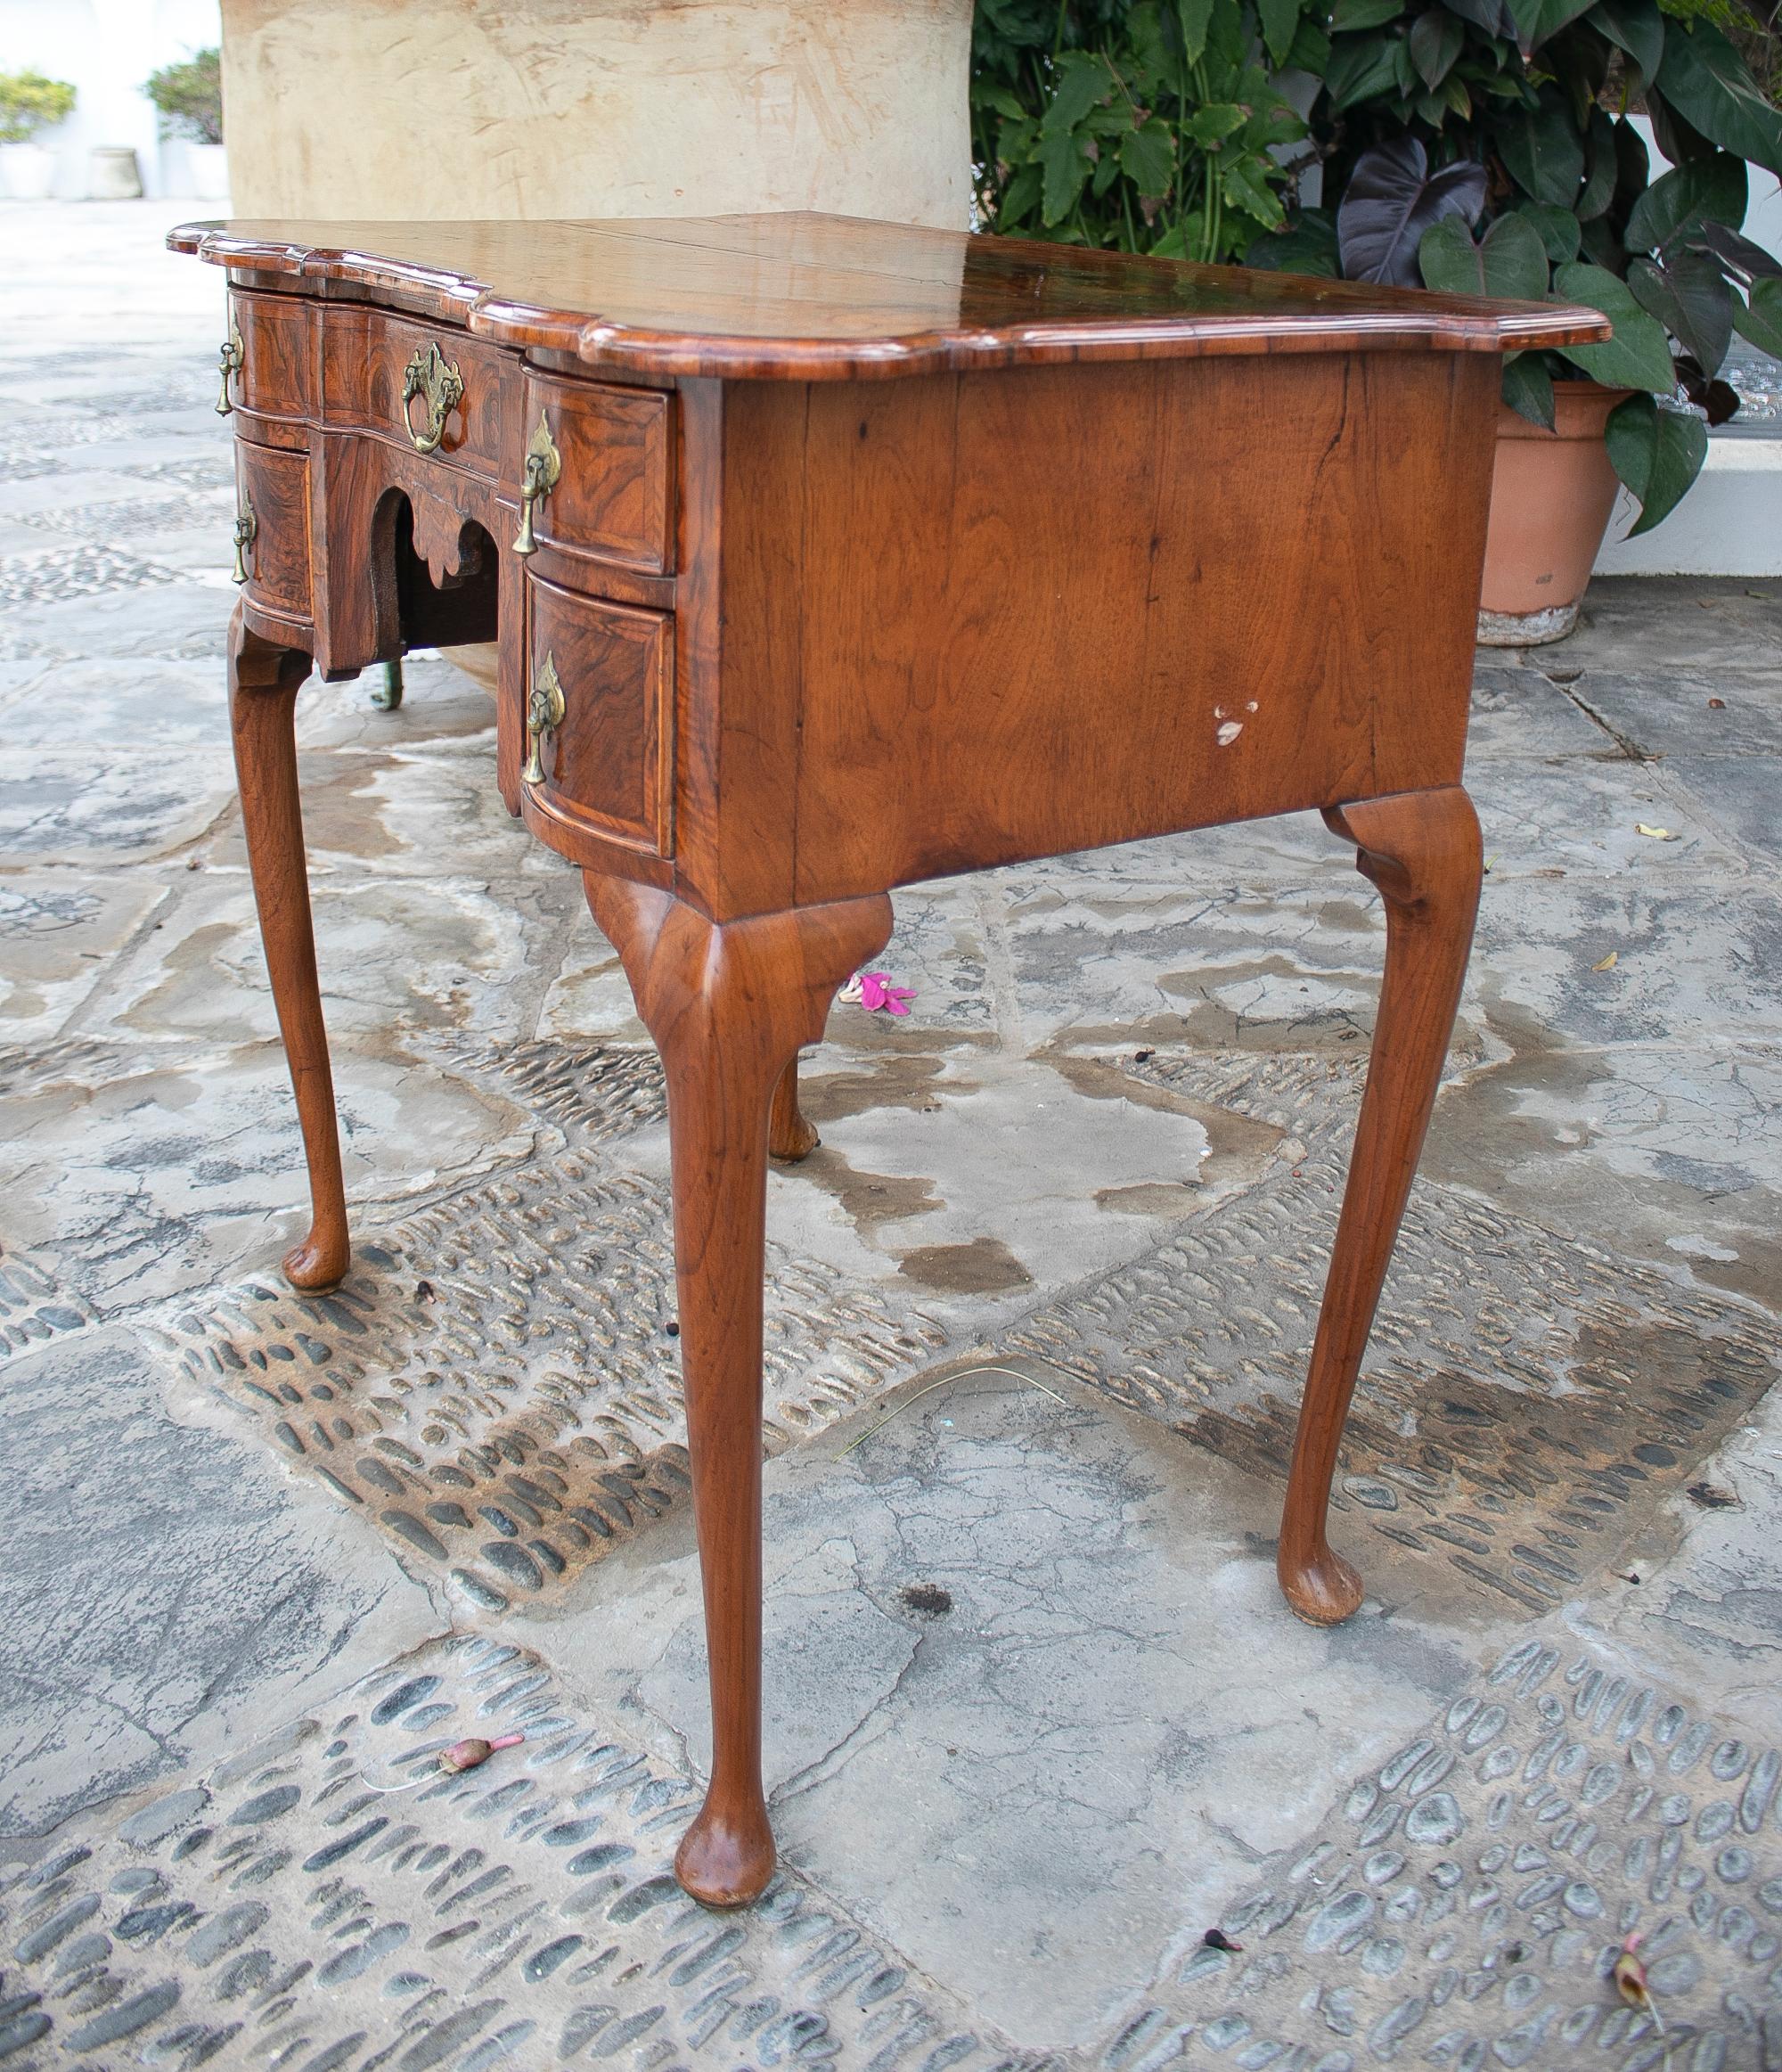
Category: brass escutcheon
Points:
column 431, row 376
column 228, row 361
column 544, row 465
column 245, row 526
column 543, row 713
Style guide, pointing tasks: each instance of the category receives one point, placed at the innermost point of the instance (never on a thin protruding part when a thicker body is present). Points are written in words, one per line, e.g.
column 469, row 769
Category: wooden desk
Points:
column 828, row 555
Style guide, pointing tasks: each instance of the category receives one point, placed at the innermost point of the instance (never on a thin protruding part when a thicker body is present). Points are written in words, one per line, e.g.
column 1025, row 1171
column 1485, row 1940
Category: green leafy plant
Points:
column 29, row 103
column 1509, row 118
column 1138, row 125
column 189, row 95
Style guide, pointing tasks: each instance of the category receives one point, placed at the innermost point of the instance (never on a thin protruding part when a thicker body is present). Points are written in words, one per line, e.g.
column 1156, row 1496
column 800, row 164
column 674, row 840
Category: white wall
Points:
column 106, row 49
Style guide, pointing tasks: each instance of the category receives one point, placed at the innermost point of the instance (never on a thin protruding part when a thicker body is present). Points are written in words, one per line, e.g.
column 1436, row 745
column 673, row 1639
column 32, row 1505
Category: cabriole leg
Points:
column 263, row 685
column 1421, row 848
column 729, row 1005
column 790, row 1137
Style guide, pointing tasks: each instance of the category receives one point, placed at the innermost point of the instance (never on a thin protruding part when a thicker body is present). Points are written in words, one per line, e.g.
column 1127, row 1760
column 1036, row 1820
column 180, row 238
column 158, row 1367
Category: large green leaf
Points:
column 1638, row 357
column 1151, row 64
column 1246, row 185
column 1064, row 167
column 1310, row 51
column 1308, row 246
column 1714, row 188
column 1279, row 22
column 1350, row 17
column 1082, row 80
column 1360, row 67
column 1020, row 198
column 1528, row 388
column 1704, row 80
column 1537, row 19
column 1493, row 16
column 1689, row 297
column 1638, row 29
column 1657, row 453
column 1511, row 262
column 1436, row 38
column 1600, row 169
column 1761, row 322
column 1196, row 17
column 1544, row 152
column 1213, row 122
column 1557, row 228
column 1147, row 159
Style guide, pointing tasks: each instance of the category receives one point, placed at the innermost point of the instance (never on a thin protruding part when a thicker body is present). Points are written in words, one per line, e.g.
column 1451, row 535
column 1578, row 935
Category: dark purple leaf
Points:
column 1736, row 253
column 1392, row 198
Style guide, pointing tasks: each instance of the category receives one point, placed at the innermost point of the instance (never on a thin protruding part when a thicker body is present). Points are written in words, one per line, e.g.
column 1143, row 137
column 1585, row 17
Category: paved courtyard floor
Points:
column 1038, row 1312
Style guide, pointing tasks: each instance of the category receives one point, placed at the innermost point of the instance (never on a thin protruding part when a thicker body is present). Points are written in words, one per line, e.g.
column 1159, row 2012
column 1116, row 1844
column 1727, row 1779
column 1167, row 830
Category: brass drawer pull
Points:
column 431, row 376
column 228, row 361
column 543, row 714
column 544, row 465
column 245, row 526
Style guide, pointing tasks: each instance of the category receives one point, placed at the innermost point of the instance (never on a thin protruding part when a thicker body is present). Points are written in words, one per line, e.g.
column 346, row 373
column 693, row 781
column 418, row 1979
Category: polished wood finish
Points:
column 275, row 379
column 275, row 487
column 365, row 357
column 606, row 766
column 263, row 684
column 790, row 1137
column 804, row 298
column 729, row 1007
column 615, row 498
column 1127, row 548
column 1422, row 850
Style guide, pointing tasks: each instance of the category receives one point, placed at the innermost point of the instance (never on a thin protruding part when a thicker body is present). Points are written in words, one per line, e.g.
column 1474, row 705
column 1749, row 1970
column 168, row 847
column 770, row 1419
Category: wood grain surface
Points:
column 1134, row 548
column 802, row 297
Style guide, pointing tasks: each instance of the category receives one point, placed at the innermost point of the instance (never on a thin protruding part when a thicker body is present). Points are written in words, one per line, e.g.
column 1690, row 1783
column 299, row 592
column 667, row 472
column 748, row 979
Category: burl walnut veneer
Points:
column 828, row 555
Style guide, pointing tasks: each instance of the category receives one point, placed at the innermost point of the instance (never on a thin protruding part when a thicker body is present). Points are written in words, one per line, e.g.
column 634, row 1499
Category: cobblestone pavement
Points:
column 1038, row 1312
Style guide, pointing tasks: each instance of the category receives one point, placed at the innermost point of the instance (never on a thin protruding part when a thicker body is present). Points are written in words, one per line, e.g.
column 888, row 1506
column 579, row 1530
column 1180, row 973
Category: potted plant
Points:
column 189, row 95
column 1436, row 123
column 29, row 103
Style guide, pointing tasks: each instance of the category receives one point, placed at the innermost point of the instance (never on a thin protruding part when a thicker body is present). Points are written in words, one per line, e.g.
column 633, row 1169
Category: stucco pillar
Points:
column 580, row 108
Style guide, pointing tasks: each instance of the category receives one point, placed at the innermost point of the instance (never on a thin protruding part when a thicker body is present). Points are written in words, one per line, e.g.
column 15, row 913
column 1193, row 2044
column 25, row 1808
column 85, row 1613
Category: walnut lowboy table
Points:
column 825, row 556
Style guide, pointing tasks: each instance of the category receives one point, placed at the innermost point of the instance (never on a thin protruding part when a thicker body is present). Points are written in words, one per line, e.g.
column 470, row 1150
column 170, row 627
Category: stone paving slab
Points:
column 163, row 1585
column 146, row 1170
column 1008, row 1711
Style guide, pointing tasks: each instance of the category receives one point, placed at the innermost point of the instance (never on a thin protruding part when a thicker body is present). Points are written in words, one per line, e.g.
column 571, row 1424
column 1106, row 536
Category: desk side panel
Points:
column 1058, row 608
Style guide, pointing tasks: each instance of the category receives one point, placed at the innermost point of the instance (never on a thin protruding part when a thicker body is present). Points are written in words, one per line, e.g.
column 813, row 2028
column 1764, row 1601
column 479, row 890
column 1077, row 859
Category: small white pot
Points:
column 208, row 171
column 112, row 174
column 27, row 172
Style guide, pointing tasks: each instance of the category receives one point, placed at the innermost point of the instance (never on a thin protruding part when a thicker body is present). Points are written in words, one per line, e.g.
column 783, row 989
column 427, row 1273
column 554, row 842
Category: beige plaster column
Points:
column 345, row 109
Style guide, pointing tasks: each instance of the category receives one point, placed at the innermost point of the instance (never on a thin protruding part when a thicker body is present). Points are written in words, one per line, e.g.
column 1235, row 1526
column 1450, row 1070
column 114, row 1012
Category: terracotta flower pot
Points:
column 1551, row 496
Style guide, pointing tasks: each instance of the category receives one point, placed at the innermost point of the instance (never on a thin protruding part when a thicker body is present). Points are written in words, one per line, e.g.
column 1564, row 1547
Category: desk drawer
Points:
column 366, row 357
column 613, row 497
column 606, row 760
column 273, row 485
column 273, row 376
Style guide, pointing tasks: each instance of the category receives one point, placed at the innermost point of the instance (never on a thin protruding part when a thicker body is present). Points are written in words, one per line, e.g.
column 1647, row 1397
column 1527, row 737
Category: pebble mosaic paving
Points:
column 328, row 1899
